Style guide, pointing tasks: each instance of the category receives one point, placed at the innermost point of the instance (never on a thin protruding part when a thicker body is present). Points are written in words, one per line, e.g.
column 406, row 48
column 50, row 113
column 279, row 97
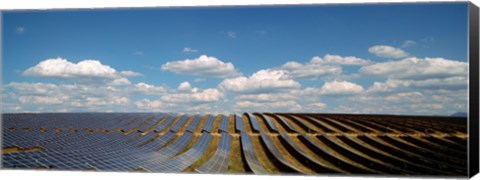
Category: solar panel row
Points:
column 295, row 143
column 218, row 163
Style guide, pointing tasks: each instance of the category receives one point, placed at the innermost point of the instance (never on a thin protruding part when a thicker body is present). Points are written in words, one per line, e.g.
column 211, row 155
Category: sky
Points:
column 373, row 59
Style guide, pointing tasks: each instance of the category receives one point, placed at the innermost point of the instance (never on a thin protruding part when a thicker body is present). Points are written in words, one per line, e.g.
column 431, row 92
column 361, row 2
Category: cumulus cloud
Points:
column 264, row 97
column 85, row 71
column 205, row 66
column 265, row 80
column 198, row 96
column 158, row 105
column 341, row 87
column 96, row 101
column 56, row 97
column 328, row 65
column 297, row 70
column 43, row 100
column 130, row 73
column 150, row 105
column 148, row 89
column 32, row 88
column 189, row 50
column 340, row 60
column 194, row 100
column 417, row 68
column 120, row 81
column 387, row 51
column 408, row 43
column 396, row 85
column 184, row 86
column 280, row 106
column 422, row 101
column 61, row 68
column 317, row 105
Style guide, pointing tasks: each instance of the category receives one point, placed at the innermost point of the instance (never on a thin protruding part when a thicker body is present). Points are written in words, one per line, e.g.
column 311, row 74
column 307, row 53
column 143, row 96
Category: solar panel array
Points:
column 260, row 143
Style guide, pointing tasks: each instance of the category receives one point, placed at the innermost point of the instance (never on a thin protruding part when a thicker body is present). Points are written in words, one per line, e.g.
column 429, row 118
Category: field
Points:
column 259, row 143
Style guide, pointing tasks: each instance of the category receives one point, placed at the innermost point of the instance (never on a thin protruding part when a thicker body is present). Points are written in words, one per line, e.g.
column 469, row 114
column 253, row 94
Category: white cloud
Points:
column 204, row 65
column 278, row 106
column 32, row 88
column 262, row 81
column 387, row 51
column 417, row 68
column 199, row 79
column 396, row 85
column 120, row 81
column 61, row 68
column 339, row 60
column 43, row 100
column 264, row 97
column 198, row 96
column 297, row 70
column 150, row 105
column 85, row 71
column 232, row 34
column 96, row 101
column 189, row 50
column 329, row 65
column 317, row 105
column 195, row 100
column 20, row 30
column 184, row 86
column 48, row 97
column 408, row 43
column 341, row 87
column 149, row 89
column 430, row 101
column 130, row 73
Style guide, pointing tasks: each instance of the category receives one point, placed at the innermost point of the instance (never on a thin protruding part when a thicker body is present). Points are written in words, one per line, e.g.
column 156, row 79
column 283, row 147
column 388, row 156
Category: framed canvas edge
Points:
column 473, row 123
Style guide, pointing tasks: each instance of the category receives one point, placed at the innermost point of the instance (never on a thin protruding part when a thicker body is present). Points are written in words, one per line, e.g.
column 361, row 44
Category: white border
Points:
column 56, row 4
column 82, row 4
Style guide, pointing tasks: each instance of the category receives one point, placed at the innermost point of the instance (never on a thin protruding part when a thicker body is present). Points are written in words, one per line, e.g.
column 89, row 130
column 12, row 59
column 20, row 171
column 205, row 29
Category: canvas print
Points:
column 359, row 89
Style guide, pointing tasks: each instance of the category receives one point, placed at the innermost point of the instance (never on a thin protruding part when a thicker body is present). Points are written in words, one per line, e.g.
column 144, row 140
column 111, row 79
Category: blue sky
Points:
column 330, row 58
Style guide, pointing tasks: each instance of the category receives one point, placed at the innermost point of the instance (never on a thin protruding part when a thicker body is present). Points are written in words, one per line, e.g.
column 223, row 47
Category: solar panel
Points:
column 302, row 124
column 407, row 167
column 270, row 125
column 328, row 125
column 250, row 155
column 209, row 123
column 151, row 121
column 218, row 163
column 184, row 160
column 224, row 124
column 176, row 146
column 276, row 153
column 339, row 161
column 304, row 157
column 194, row 123
column 160, row 141
column 356, row 156
column 164, row 123
column 79, row 141
column 238, row 123
column 254, row 123
column 179, row 124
